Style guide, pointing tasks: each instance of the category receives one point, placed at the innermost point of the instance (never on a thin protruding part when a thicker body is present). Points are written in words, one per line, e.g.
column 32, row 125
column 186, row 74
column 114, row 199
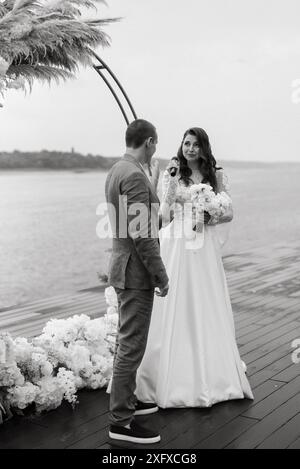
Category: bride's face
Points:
column 190, row 148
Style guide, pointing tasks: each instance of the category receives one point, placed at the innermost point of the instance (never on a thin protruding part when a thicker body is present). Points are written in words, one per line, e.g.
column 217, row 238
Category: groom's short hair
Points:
column 138, row 131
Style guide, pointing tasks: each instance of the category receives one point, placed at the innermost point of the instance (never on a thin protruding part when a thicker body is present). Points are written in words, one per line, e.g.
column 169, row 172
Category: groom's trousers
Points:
column 135, row 307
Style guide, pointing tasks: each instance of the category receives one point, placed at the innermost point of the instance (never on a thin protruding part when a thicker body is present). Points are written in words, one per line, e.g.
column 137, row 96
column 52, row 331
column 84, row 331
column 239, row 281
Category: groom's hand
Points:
column 162, row 291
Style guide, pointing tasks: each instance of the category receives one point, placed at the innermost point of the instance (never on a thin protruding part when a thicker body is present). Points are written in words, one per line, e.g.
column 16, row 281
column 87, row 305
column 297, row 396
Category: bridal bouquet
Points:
column 205, row 199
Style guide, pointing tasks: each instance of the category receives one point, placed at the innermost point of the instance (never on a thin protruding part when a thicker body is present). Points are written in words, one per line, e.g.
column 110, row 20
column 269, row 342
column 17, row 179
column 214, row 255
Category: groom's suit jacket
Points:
column 135, row 261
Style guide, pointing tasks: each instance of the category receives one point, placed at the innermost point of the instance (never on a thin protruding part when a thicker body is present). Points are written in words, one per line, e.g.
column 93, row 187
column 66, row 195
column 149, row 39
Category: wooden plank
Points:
column 270, row 371
column 226, row 434
column 263, row 330
column 261, row 351
column 64, row 299
column 284, row 436
column 276, row 399
column 271, row 336
column 206, row 424
column 23, row 331
column 288, row 374
column 295, row 444
column 264, row 428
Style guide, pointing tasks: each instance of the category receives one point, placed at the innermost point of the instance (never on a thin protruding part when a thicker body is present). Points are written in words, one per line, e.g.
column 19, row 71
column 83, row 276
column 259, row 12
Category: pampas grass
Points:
column 46, row 40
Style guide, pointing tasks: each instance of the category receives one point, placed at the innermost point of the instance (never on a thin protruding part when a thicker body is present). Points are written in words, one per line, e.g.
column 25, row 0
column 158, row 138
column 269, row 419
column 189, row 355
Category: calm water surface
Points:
column 48, row 241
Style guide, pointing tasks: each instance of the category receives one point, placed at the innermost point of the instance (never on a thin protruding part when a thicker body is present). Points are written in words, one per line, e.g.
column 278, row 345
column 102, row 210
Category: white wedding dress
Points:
column 191, row 358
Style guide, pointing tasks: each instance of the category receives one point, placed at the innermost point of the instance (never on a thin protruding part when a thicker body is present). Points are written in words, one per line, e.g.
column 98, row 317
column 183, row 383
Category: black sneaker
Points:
column 135, row 434
column 143, row 408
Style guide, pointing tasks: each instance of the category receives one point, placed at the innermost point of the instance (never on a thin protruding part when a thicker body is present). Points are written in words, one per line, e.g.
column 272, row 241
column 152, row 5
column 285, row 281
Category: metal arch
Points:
column 104, row 66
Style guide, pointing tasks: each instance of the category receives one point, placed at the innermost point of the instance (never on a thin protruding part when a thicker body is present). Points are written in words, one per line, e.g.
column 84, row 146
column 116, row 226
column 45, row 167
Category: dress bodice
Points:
column 183, row 193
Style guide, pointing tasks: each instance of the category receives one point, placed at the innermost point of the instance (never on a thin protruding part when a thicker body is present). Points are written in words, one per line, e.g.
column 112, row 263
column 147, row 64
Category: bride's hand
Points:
column 173, row 163
column 199, row 225
column 206, row 217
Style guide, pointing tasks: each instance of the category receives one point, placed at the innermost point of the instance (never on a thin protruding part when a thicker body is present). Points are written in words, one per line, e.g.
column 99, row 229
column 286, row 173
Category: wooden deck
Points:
column 265, row 293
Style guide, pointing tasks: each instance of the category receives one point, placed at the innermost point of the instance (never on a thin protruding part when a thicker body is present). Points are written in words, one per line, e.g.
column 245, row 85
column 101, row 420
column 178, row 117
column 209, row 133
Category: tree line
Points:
column 46, row 159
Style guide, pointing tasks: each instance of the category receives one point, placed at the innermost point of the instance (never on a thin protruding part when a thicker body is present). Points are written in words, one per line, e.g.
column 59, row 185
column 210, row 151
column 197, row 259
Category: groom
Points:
column 136, row 268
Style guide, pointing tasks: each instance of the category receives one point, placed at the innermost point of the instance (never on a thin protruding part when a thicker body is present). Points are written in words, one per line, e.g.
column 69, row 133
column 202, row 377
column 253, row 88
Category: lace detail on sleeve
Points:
column 169, row 188
column 223, row 182
column 223, row 186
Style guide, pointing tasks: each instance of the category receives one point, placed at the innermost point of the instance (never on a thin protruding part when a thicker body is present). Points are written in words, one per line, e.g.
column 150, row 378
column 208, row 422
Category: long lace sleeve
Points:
column 223, row 186
column 169, row 187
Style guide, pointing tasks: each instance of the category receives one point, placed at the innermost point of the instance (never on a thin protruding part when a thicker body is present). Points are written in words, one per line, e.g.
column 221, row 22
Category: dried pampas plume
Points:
column 46, row 40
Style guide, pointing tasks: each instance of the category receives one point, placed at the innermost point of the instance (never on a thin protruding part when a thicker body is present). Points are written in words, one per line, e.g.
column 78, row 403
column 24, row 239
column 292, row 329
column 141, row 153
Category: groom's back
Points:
column 129, row 268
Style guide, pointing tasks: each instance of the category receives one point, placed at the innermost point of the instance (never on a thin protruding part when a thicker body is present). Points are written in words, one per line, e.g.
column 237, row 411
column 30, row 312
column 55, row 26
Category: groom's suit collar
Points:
column 133, row 160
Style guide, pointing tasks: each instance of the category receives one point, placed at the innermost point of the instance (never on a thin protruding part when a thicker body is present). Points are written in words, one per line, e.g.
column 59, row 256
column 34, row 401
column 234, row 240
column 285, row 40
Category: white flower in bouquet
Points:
column 111, row 297
column 46, row 368
column 78, row 358
column 66, row 330
column 87, row 372
column 194, row 210
column 50, row 394
column 111, row 323
column 79, row 382
column 24, row 350
column 204, row 198
column 99, row 348
column 22, row 396
column 94, row 330
column 218, row 205
column 96, row 381
column 36, row 365
column 56, row 350
column 101, row 364
column 200, row 191
column 7, row 352
column 111, row 310
column 10, row 375
column 67, row 381
column 79, row 322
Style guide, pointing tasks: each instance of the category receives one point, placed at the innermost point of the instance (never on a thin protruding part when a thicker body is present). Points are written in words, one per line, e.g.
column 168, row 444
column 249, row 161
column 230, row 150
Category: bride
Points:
column 191, row 358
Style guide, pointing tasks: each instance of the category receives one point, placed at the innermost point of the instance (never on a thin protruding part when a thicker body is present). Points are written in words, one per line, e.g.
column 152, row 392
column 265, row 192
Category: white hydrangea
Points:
column 94, row 330
column 49, row 395
column 67, row 381
column 10, row 375
column 7, row 352
column 22, row 396
column 70, row 354
column 78, row 358
column 111, row 297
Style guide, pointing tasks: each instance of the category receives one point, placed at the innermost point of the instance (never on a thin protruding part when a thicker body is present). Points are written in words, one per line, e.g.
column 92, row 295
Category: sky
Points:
column 231, row 67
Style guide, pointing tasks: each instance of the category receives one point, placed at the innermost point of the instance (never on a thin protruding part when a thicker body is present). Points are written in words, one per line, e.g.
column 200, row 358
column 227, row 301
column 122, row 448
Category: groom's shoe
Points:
column 134, row 434
column 144, row 408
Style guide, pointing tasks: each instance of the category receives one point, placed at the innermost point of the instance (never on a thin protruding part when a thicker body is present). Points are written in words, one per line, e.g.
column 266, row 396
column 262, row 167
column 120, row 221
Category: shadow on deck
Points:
column 265, row 293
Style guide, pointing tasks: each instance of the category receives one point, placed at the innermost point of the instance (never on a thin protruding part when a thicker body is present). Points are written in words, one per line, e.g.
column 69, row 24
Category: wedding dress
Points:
column 191, row 358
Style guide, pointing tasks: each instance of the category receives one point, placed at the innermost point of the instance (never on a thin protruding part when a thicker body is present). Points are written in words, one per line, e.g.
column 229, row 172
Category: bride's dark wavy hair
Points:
column 207, row 162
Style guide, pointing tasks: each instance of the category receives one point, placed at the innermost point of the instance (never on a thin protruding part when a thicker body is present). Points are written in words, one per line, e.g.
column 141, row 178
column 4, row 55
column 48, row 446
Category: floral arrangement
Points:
column 205, row 199
column 69, row 355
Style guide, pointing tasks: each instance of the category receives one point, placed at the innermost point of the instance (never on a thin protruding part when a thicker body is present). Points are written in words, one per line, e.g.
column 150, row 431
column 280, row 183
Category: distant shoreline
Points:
column 71, row 161
column 224, row 164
